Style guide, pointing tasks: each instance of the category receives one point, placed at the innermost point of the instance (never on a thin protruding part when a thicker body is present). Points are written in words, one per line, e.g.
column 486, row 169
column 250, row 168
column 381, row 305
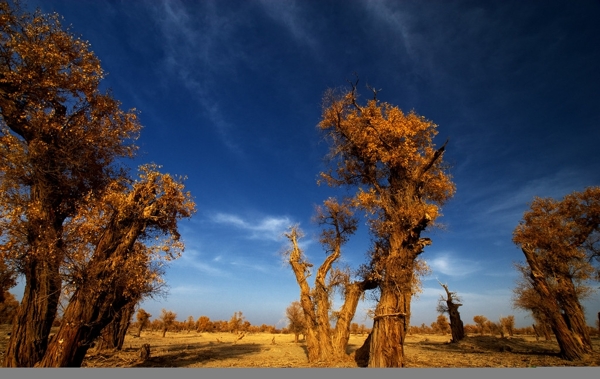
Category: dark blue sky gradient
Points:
column 230, row 95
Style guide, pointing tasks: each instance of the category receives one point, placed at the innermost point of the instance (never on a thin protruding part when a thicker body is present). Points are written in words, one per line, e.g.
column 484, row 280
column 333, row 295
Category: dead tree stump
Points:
column 145, row 352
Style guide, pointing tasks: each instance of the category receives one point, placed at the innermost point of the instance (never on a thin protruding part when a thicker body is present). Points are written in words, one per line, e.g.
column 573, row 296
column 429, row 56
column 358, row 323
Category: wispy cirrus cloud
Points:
column 251, row 266
column 448, row 264
column 498, row 207
column 193, row 42
column 192, row 258
column 267, row 228
column 290, row 14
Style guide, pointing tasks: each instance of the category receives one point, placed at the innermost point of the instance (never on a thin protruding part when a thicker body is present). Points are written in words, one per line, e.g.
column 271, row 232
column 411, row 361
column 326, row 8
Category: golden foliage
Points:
column 128, row 234
column 558, row 240
column 401, row 181
column 561, row 233
column 390, row 156
column 59, row 134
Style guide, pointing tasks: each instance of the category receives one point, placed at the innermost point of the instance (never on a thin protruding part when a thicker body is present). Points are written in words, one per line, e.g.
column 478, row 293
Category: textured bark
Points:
column 322, row 343
column 389, row 329
column 392, row 314
column 341, row 335
column 315, row 342
column 93, row 307
column 573, row 312
column 456, row 324
column 113, row 335
column 32, row 324
column 82, row 323
column 572, row 346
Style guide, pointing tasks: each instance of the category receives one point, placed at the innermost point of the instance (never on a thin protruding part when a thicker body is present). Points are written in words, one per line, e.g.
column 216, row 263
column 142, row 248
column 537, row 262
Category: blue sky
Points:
column 230, row 95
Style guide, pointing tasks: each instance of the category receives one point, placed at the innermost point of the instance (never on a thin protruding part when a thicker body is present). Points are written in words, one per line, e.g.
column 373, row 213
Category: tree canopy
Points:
column 401, row 182
column 559, row 240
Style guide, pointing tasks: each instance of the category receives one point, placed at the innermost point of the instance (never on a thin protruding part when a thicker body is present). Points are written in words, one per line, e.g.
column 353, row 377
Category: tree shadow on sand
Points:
column 188, row 354
column 489, row 344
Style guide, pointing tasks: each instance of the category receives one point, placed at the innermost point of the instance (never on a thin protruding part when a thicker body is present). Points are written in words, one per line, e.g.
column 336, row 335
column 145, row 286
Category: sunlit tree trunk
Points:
column 93, row 306
column 316, row 342
column 341, row 335
column 324, row 344
column 30, row 330
column 392, row 316
column 37, row 310
column 572, row 346
column 573, row 310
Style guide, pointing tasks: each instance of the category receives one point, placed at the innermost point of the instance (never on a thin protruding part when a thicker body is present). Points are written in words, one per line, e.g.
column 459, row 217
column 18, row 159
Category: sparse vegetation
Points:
column 75, row 223
column 167, row 320
column 295, row 315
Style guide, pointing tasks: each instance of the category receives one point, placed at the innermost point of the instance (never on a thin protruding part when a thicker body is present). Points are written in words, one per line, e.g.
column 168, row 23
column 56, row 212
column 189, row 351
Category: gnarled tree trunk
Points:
column 99, row 298
column 324, row 344
column 113, row 335
column 573, row 312
column 456, row 324
column 37, row 310
column 341, row 334
column 572, row 346
column 392, row 314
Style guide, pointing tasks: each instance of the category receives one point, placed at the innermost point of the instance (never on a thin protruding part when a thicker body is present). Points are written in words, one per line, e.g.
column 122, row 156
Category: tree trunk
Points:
column 35, row 315
column 98, row 299
column 83, row 320
column 323, row 326
column 113, row 335
column 572, row 347
column 392, row 314
column 311, row 318
column 456, row 324
column 574, row 313
column 389, row 328
column 145, row 352
column 341, row 335
column 537, row 334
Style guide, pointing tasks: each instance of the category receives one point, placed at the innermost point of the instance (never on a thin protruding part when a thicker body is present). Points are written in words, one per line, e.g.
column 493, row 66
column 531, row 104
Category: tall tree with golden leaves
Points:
column 59, row 139
column 402, row 181
column 554, row 237
column 124, row 242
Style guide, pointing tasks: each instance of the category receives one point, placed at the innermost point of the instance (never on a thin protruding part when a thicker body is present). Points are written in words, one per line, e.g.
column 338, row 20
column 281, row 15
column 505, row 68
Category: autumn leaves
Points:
column 73, row 221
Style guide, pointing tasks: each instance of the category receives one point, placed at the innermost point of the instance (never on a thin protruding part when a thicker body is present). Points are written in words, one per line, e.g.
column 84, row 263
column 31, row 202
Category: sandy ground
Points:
column 191, row 349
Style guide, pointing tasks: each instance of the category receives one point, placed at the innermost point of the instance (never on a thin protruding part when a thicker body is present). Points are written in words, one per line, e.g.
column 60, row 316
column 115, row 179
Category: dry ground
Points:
column 193, row 349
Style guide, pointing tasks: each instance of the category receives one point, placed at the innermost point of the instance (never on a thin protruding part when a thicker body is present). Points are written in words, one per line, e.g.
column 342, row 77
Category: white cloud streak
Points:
column 267, row 228
column 192, row 45
column 289, row 14
column 447, row 264
column 498, row 207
